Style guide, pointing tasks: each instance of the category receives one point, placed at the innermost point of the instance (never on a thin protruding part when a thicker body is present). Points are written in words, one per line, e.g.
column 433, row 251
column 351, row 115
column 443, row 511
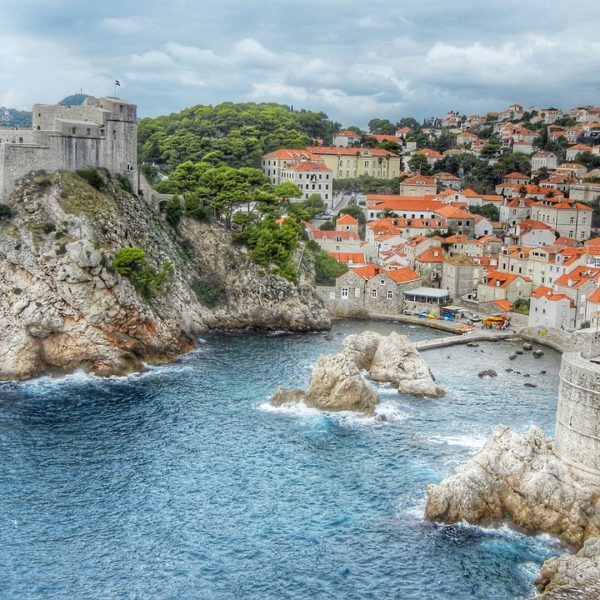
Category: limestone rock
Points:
column 398, row 362
column 573, row 571
column 62, row 307
column 337, row 384
column 520, row 480
column 360, row 348
column 282, row 396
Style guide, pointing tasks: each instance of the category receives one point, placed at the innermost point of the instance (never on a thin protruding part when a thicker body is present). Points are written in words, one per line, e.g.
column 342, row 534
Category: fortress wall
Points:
column 44, row 115
column 61, row 139
column 577, row 436
column 16, row 136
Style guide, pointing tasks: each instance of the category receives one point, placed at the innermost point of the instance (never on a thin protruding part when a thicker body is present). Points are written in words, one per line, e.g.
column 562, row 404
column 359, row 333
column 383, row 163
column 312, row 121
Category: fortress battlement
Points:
column 102, row 132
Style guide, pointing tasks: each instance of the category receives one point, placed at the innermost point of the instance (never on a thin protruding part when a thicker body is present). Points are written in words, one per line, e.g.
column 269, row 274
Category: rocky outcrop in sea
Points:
column 63, row 307
column 338, row 383
column 520, row 480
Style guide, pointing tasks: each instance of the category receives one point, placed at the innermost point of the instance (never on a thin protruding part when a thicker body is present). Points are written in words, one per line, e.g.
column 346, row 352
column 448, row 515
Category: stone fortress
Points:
column 102, row 132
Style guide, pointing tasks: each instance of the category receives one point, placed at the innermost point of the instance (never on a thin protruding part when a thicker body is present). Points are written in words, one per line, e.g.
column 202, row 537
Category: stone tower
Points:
column 577, row 436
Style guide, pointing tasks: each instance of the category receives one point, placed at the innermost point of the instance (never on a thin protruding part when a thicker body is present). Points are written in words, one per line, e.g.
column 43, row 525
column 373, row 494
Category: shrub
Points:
column 61, row 249
column 124, row 184
column 6, row 212
column 131, row 263
column 48, row 228
column 521, row 305
column 209, row 292
column 43, row 181
column 97, row 178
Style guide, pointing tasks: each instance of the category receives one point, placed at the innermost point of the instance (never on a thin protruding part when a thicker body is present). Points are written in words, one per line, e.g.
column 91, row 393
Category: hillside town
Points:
column 438, row 238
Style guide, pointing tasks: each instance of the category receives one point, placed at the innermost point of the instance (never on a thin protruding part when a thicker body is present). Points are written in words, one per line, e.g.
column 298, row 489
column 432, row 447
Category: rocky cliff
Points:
column 519, row 479
column 63, row 306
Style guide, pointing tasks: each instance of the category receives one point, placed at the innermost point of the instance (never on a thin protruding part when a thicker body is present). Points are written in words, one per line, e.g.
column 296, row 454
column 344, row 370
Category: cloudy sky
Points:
column 352, row 59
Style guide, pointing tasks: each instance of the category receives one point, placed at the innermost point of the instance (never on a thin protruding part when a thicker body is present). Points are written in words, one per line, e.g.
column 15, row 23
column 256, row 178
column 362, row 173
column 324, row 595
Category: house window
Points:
column 390, row 294
column 373, row 293
column 382, row 282
column 344, row 293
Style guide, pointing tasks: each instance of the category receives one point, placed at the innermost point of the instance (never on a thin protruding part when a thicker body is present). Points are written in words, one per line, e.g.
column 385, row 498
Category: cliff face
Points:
column 520, row 480
column 63, row 307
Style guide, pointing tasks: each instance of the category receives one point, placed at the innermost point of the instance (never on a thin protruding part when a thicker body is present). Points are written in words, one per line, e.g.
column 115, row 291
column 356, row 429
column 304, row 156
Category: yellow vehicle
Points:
column 495, row 322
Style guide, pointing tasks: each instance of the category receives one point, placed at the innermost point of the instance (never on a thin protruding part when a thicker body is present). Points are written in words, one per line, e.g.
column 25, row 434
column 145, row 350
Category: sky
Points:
column 354, row 60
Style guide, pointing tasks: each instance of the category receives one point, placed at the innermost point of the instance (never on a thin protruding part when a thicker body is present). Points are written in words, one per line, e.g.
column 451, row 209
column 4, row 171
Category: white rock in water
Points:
column 337, row 384
column 398, row 362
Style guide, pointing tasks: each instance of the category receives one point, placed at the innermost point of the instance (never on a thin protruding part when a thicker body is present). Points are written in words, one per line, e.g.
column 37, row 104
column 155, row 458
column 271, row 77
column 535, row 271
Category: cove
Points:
column 182, row 482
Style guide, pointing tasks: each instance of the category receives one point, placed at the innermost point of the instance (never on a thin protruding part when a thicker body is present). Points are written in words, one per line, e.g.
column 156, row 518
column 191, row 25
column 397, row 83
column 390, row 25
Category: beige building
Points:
column 418, row 185
column 497, row 285
column 570, row 219
column 460, row 276
column 350, row 163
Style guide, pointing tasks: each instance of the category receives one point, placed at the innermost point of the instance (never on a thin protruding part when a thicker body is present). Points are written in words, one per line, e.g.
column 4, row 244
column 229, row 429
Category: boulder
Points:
column 398, row 362
column 579, row 571
column 360, row 348
column 337, row 384
column 283, row 396
column 487, row 373
column 520, row 480
column 527, row 346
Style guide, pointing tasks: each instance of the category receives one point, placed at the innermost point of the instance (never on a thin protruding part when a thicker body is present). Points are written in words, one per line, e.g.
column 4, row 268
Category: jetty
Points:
column 487, row 336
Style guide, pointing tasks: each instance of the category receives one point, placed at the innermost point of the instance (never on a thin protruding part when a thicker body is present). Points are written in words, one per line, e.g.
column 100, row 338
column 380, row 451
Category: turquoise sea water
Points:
column 182, row 482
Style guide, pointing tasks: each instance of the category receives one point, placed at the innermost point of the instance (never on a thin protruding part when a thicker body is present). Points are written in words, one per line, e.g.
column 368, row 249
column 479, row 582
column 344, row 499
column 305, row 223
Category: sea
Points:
column 183, row 482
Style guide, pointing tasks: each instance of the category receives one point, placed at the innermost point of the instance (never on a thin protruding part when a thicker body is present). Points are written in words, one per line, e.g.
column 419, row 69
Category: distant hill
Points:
column 74, row 99
column 10, row 117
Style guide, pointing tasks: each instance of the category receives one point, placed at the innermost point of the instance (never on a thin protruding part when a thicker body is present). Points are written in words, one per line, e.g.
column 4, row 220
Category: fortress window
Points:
column 20, row 140
column 89, row 131
column 74, row 130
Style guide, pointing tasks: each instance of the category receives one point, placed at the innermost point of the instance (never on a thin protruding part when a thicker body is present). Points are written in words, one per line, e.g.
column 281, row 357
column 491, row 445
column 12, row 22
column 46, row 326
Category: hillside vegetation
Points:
column 229, row 133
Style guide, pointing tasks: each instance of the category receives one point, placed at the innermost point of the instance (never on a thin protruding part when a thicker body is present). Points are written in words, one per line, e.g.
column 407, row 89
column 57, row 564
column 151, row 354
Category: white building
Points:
column 549, row 309
column 311, row 177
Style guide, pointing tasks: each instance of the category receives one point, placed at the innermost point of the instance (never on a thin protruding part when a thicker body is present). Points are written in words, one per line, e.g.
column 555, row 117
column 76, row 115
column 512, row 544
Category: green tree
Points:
column 489, row 211
column 418, row 162
column 354, row 211
column 286, row 190
column 381, row 126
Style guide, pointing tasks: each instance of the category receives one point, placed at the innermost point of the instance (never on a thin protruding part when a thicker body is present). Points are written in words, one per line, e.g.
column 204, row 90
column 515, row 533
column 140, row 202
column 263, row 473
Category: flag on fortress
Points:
column 117, row 82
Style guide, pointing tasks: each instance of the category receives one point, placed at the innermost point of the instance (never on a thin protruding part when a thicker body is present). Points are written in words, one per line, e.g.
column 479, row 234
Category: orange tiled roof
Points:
column 309, row 165
column 432, row 255
column 578, row 276
column 418, row 180
column 503, row 305
column 346, row 219
column 290, row 154
column 451, row 212
column 349, row 151
column 403, row 275
column 348, row 257
column 505, row 279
